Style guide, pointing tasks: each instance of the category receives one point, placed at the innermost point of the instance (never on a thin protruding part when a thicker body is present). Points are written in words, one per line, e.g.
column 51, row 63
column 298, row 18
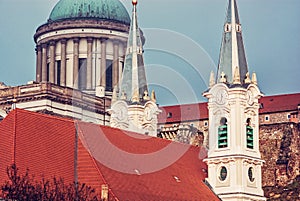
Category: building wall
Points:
column 278, row 117
column 280, row 148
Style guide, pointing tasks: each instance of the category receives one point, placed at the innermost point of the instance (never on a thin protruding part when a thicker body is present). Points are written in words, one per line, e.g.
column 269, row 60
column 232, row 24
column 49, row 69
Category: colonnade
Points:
column 49, row 53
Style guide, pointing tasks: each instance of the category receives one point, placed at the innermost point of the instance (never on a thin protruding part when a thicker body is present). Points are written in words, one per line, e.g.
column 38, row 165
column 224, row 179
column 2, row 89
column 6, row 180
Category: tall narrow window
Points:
column 48, row 72
column 122, row 64
column 249, row 134
column 223, row 134
column 58, row 71
column 82, row 74
column 109, row 72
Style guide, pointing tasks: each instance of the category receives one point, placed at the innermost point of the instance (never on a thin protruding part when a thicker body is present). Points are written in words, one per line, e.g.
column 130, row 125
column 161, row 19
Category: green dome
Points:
column 112, row 10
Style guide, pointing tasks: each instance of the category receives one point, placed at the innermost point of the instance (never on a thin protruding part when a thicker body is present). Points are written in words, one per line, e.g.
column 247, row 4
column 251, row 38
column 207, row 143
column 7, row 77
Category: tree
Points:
column 24, row 187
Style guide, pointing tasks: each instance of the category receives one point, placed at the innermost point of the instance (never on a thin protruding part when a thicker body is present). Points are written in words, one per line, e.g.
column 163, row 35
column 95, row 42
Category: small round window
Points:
column 223, row 173
column 250, row 174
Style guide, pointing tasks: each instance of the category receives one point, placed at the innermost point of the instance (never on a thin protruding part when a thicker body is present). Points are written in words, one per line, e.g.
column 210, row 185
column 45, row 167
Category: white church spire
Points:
column 134, row 83
column 134, row 110
column 234, row 160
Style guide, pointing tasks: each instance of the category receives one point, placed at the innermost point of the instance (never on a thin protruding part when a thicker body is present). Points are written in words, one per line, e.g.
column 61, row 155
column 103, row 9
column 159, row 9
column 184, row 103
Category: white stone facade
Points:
column 237, row 159
column 136, row 117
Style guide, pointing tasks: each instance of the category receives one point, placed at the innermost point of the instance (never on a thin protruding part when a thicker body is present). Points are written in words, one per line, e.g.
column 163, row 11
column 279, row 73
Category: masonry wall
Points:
column 280, row 148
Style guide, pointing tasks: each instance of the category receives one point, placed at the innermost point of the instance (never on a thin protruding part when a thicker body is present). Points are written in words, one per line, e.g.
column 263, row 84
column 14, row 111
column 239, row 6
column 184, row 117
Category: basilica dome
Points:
column 112, row 10
column 82, row 40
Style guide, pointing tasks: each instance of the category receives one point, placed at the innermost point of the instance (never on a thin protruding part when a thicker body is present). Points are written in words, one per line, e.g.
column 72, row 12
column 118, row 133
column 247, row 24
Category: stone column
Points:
column 75, row 62
column 52, row 62
column 38, row 63
column 44, row 63
column 103, row 63
column 100, row 89
column 116, row 64
column 89, row 64
column 63, row 62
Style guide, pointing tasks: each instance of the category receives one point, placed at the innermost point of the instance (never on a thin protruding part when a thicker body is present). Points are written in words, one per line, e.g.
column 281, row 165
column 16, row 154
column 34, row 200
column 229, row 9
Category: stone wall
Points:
column 280, row 148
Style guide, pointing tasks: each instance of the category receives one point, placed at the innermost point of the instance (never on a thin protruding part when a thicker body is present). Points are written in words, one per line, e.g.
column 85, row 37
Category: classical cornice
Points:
column 80, row 23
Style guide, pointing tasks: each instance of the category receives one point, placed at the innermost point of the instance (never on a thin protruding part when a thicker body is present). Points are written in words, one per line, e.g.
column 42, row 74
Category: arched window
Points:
column 223, row 134
column 249, row 134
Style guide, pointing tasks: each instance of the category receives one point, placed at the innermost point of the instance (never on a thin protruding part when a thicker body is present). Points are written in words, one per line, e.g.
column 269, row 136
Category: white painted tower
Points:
column 234, row 161
column 133, row 108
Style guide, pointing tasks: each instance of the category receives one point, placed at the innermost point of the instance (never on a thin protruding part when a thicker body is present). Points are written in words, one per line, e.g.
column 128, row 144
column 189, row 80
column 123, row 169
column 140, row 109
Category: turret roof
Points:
column 232, row 53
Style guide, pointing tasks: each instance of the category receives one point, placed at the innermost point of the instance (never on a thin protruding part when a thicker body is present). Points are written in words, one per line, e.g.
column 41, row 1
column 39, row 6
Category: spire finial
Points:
column 212, row 79
column 254, row 78
column 247, row 79
column 153, row 96
column 135, row 97
column 236, row 77
column 134, row 2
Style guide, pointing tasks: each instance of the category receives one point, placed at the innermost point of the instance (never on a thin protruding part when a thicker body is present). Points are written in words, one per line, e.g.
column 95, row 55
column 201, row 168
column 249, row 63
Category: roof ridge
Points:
column 280, row 95
column 18, row 110
column 186, row 104
column 262, row 98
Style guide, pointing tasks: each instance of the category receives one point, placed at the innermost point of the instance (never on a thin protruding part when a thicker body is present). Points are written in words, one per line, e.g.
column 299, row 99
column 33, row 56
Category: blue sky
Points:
column 183, row 40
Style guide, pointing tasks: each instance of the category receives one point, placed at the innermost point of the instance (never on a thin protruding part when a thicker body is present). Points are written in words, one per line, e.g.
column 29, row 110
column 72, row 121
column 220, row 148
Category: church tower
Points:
column 133, row 108
column 234, row 161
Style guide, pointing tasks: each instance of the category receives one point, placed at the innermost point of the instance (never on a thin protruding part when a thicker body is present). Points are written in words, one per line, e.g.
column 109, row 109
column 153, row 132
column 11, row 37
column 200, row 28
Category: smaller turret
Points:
column 133, row 109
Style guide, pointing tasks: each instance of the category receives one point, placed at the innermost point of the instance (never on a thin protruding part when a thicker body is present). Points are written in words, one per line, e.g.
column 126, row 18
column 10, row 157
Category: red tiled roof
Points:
column 287, row 102
column 137, row 167
column 134, row 166
column 41, row 143
column 181, row 113
column 198, row 111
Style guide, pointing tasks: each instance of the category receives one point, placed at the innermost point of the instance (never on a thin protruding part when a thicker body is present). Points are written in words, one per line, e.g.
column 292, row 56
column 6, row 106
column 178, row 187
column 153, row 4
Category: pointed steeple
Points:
column 134, row 82
column 232, row 53
column 134, row 101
